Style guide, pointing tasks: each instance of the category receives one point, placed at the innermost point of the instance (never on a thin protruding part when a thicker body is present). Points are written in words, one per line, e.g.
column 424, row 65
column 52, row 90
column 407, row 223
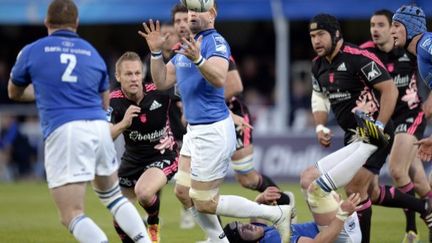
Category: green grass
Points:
column 28, row 214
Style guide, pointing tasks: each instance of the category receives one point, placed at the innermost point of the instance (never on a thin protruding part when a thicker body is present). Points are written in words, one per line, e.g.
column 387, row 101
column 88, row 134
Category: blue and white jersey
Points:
column 350, row 233
column 309, row 230
column 203, row 103
column 68, row 75
column 424, row 58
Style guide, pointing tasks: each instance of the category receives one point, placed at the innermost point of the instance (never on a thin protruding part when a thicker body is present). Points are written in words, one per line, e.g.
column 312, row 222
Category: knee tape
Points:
column 243, row 165
column 183, row 178
column 324, row 204
column 202, row 195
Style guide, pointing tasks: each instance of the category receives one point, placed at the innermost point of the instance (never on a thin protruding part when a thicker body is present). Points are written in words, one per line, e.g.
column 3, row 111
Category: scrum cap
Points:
column 325, row 22
column 413, row 18
column 233, row 235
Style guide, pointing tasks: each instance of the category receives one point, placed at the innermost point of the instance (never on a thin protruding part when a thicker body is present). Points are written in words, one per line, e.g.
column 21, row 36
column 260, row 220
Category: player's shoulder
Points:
column 316, row 64
column 355, row 54
column 116, row 94
column 368, row 45
column 425, row 44
column 150, row 87
column 353, row 50
column 213, row 37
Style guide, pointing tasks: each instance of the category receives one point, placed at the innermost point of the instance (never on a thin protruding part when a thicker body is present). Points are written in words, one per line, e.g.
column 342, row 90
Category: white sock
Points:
column 330, row 161
column 125, row 213
column 209, row 223
column 343, row 172
column 239, row 207
column 129, row 220
column 85, row 230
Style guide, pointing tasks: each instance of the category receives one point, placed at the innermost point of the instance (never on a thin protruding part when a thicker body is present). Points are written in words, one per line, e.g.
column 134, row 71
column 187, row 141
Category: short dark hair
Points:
column 178, row 8
column 62, row 13
column 384, row 12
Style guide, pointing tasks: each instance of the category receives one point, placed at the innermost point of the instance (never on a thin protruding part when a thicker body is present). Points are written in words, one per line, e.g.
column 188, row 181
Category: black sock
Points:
column 153, row 211
column 283, row 200
column 123, row 236
column 264, row 182
column 394, row 198
column 409, row 214
column 365, row 215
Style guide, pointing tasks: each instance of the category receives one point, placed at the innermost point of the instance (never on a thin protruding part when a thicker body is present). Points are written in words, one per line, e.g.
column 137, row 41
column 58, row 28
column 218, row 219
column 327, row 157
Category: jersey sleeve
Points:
column 217, row 46
column 114, row 116
column 316, row 86
column 232, row 64
column 20, row 74
column 371, row 69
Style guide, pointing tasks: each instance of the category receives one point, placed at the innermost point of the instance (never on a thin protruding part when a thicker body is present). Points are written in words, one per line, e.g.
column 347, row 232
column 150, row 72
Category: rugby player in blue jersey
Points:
column 69, row 81
column 339, row 224
column 409, row 31
column 199, row 68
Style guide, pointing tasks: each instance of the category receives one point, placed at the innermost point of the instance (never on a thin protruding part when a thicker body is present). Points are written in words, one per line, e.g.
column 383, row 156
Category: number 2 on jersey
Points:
column 71, row 61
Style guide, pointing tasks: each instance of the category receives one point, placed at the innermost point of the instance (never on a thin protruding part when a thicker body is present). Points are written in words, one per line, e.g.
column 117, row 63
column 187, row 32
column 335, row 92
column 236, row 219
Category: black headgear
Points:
column 328, row 23
column 233, row 235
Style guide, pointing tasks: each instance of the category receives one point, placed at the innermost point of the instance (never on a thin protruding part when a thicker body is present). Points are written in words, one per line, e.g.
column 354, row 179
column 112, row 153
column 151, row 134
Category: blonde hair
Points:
column 127, row 56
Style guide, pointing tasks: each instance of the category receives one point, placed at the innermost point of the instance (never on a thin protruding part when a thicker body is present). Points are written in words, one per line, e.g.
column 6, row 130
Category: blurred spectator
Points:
column 16, row 153
column 301, row 114
column 3, row 83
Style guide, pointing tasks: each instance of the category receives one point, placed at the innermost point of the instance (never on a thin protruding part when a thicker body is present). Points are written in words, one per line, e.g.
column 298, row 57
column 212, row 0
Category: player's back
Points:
column 68, row 76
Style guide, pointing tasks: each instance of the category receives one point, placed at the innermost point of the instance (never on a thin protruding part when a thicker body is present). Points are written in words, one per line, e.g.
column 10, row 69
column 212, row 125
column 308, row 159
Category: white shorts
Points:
column 210, row 147
column 351, row 232
column 79, row 150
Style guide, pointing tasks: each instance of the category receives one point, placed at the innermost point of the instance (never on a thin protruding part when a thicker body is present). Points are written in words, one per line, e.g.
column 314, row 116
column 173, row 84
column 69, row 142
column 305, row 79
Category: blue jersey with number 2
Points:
column 67, row 74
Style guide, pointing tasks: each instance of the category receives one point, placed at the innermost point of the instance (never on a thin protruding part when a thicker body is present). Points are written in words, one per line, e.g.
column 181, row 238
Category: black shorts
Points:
column 411, row 122
column 130, row 173
column 376, row 161
column 238, row 107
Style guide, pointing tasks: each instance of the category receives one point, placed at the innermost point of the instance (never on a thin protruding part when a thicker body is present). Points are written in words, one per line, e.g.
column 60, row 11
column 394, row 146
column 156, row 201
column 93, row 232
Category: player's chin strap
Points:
column 335, row 39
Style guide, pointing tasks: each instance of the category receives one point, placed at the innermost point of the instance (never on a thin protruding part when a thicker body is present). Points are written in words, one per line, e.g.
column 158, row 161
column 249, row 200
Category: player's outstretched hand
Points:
column 348, row 206
column 425, row 149
column 191, row 48
column 153, row 35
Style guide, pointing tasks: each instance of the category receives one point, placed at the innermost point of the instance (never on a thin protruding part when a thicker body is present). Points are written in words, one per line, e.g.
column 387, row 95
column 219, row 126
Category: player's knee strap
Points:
column 243, row 165
column 203, row 195
column 111, row 198
column 183, row 178
column 324, row 204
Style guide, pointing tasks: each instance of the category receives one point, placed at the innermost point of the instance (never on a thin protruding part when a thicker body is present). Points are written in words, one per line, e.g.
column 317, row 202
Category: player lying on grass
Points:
column 338, row 225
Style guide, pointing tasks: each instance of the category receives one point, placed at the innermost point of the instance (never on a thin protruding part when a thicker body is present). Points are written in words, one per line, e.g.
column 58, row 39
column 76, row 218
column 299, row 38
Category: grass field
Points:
column 27, row 214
